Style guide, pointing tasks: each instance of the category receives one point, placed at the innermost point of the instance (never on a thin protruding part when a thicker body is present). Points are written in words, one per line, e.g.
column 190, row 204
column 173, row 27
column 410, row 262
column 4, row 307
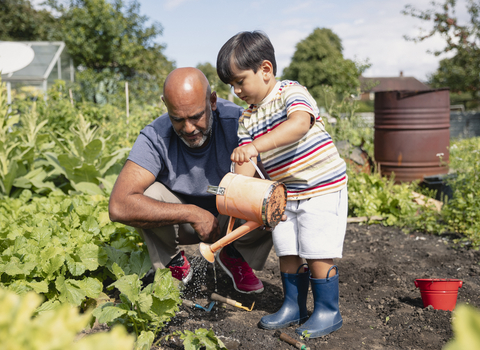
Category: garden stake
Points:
column 291, row 341
column 232, row 302
column 198, row 306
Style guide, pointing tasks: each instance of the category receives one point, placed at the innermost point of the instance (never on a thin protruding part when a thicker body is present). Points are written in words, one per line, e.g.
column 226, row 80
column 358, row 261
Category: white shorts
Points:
column 315, row 227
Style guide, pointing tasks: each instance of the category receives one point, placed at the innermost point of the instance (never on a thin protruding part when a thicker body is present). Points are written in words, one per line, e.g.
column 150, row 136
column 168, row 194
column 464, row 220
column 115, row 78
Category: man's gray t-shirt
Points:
column 188, row 171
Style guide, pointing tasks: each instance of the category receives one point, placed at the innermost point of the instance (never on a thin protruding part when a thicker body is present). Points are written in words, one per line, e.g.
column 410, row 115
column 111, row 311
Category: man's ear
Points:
column 267, row 69
column 213, row 100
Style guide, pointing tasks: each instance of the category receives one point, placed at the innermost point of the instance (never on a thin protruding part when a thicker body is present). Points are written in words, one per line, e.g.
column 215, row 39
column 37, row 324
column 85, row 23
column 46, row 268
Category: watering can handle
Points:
column 232, row 168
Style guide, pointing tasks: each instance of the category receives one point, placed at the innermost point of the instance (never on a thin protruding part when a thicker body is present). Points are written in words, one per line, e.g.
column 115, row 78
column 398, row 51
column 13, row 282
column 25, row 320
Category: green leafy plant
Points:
column 466, row 329
column 461, row 214
column 305, row 335
column 83, row 161
column 61, row 245
column 141, row 310
column 201, row 339
column 21, row 143
column 23, row 327
column 374, row 195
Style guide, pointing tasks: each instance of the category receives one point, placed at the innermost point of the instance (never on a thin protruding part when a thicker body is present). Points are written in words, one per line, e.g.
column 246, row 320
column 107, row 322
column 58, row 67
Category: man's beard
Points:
column 205, row 134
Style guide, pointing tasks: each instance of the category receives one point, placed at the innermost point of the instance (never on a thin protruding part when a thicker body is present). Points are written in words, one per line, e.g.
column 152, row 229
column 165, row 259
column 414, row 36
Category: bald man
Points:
column 162, row 188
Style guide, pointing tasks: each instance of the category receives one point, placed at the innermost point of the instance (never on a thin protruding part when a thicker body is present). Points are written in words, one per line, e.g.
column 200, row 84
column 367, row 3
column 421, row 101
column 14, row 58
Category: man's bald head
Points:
column 184, row 83
column 190, row 105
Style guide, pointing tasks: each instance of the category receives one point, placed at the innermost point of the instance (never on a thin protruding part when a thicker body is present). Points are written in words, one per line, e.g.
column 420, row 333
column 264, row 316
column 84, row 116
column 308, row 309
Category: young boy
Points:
column 283, row 126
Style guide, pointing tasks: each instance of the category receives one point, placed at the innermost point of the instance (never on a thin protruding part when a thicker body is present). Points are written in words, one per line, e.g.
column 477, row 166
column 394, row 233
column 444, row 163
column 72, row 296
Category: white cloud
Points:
column 172, row 4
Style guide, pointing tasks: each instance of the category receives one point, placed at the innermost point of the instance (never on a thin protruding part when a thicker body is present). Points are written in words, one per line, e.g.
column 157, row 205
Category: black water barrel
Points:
column 412, row 133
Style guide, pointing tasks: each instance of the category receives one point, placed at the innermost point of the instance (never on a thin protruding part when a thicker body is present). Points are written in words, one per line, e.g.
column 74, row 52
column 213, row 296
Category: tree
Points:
column 222, row 89
column 110, row 42
column 21, row 22
column 318, row 60
column 461, row 73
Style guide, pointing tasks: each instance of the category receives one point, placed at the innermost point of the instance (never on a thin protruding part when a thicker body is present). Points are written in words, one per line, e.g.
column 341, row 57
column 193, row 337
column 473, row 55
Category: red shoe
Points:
column 244, row 280
column 182, row 273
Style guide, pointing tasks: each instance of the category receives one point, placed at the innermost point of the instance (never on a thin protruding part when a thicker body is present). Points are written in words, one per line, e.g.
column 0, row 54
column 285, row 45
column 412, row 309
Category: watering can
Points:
column 258, row 201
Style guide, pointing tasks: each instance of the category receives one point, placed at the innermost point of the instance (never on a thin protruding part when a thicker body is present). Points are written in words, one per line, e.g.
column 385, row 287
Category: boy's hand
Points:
column 243, row 154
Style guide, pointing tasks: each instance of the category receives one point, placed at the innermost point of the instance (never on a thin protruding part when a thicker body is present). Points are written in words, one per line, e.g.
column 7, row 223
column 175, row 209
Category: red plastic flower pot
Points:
column 441, row 293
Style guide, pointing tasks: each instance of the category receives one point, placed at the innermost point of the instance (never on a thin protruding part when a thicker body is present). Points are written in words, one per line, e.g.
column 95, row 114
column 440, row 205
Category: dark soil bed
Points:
column 380, row 305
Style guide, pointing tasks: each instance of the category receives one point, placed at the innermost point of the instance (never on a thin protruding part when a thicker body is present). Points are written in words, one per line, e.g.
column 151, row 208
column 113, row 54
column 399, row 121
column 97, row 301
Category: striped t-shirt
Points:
column 309, row 167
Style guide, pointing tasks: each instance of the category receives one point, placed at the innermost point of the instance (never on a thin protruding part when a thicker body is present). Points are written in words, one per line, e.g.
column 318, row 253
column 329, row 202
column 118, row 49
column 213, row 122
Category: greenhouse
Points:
column 48, row 62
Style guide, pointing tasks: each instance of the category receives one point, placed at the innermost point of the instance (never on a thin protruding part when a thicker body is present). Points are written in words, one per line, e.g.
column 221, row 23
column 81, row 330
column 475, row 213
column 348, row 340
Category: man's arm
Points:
column 131, row 207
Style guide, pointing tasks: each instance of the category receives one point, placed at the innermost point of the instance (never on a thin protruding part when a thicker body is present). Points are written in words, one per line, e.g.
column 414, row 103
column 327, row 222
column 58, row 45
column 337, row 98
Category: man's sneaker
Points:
column 244, row 280
column 182, row 272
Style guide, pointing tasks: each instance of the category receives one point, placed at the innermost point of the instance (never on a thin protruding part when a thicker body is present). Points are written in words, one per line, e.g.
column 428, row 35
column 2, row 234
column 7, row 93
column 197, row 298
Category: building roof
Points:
column 391, row 84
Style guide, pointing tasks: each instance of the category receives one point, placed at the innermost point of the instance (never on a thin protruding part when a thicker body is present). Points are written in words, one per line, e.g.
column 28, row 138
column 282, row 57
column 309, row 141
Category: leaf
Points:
column 42, row 235
column 140, row 263
column 39, row 287
column 144, row 341
column 103, row 219
column 201, row 339
column 107, row 162
column 144, row 302
column 9, row 177
column 69, row 293
column 47, row 306
column 92, row 150
column 88, row 254
column 52, row 159
column 85, row 173
column 118, row 257
column 129, row 286
column 108, row 313
column 52, row 260
column 84, row 210
column 75, row 291
column 16, row 267
column 164, row 308
column 116, row 339
column 76, row 268
column 69, row 163
column 466, row 327
column 117, row 271
column 91, row 225
column 87, row 188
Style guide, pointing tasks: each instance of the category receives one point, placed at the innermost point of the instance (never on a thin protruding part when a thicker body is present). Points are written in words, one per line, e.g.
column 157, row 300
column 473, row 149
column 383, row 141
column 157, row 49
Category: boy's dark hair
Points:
column 246, row 50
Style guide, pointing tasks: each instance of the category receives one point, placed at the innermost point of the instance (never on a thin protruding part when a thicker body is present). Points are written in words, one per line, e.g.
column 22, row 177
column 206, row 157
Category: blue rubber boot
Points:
column 326, row 316
column 294, row 308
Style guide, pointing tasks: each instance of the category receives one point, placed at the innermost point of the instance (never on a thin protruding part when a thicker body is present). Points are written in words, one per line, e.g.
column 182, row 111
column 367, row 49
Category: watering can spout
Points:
column 208, row 250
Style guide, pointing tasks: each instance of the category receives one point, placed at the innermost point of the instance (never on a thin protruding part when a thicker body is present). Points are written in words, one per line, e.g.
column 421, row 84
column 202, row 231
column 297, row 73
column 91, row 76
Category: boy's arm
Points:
column 290, row 131
column 246, row 168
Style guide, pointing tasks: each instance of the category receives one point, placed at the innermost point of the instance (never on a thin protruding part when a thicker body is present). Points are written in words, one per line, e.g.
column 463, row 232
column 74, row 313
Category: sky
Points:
column 373, row 30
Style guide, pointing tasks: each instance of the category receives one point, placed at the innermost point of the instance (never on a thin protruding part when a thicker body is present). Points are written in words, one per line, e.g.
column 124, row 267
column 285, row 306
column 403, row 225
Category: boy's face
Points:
column 249, row 86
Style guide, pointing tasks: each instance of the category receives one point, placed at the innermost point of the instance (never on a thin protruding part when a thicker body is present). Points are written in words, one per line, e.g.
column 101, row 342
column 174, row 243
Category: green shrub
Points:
column 21, row 328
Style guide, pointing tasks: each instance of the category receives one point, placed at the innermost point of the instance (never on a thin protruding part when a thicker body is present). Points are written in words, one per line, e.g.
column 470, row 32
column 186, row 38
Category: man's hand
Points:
column 205, row 225
column 244, row 153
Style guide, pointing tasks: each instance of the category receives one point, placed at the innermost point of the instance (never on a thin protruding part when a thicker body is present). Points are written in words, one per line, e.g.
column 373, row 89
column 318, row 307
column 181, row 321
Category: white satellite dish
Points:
column 14, row 56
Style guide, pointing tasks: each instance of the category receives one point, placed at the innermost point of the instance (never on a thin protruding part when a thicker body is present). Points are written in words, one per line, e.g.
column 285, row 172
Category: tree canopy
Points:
column 109, row 41
column 20, row 21
column 460, row 73
column 222, row 89
column 318, row 60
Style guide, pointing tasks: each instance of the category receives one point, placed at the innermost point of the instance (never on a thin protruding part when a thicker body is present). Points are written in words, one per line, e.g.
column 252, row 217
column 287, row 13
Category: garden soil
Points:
column 380, row 305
